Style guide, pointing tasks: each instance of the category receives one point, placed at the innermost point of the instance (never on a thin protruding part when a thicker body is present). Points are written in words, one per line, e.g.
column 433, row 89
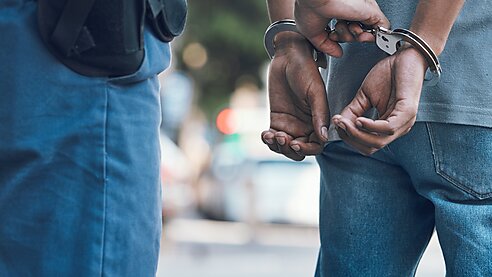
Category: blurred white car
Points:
column 176, row 179
column 267, row 188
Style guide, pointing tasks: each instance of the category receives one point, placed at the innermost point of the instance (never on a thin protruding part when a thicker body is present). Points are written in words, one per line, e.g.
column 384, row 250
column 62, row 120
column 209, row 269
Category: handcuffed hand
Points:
column 393, row 87
column 299, row 115
column 312, row 17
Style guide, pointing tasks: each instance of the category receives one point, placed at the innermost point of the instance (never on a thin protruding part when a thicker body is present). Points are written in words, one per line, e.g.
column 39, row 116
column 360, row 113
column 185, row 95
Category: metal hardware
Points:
column 288, row 25
column 390, row 40
column 387, row 40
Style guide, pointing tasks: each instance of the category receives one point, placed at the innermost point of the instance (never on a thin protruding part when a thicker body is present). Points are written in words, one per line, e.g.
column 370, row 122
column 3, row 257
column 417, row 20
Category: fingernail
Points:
column 269, row 140
column 324, row 132
column 341, row 125
column 359, row 124
column 281, row 140
column 295, row 147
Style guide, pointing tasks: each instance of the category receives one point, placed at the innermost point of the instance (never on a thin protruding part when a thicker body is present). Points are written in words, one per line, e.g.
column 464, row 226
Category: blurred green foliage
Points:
column 231, row 31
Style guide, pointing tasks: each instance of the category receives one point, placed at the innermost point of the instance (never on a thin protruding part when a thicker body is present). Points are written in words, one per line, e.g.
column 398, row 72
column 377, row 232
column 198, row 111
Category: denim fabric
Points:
column 79, row 160
column 378, row 213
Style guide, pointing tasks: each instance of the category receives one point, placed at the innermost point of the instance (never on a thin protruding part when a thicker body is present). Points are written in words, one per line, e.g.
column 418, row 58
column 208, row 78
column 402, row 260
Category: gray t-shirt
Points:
column 464, row 93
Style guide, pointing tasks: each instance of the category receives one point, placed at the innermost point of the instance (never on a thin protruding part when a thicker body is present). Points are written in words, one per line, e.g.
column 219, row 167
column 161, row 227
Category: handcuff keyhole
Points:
column 385, row 39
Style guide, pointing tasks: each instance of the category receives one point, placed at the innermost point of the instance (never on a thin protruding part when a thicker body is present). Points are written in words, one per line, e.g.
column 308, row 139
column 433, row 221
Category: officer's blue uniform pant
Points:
column 79, row 160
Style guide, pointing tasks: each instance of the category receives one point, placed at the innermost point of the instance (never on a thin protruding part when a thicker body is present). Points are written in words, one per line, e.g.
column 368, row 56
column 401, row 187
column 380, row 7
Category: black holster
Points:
column 105, row 37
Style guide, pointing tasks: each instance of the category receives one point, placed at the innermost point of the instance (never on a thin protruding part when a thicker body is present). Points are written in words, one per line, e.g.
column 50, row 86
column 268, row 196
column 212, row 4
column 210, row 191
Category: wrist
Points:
column 417, row 55
column 283, row 36
column 435, row 41
column 289, row 40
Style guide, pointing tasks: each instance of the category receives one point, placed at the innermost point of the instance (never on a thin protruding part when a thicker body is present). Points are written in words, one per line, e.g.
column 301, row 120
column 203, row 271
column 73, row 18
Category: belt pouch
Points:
column 94, row 37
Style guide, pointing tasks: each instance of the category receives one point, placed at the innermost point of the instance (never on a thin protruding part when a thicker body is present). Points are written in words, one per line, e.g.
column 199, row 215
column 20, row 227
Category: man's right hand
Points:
column 313, row 16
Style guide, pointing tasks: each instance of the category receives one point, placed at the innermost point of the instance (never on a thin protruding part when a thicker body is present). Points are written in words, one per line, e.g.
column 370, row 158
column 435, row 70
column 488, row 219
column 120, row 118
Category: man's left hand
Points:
column 393, row 87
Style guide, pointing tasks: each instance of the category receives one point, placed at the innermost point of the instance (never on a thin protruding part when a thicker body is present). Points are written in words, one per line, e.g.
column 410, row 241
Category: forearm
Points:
column 284, row 9
column 434, row 19
column 280, row 9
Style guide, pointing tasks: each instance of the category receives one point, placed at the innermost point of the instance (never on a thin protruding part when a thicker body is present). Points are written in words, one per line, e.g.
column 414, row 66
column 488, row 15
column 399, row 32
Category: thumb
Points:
column 320, row 113
column 357, row 107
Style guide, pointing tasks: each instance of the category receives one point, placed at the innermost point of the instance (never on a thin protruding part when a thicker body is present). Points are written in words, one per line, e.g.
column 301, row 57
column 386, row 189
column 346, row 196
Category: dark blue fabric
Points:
column 79, row 160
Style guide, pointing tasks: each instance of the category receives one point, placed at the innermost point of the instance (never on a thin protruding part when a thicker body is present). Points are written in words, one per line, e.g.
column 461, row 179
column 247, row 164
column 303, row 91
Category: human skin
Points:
column 312, row 17
column 299, row 116
column 393, row 86
column 396, row 98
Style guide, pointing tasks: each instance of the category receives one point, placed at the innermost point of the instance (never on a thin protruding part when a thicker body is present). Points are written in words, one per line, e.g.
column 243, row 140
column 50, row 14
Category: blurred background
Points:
column 230, row 206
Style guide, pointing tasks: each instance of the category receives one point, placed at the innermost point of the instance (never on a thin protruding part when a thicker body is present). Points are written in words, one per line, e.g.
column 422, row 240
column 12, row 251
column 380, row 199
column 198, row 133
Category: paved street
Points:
column 199, row 248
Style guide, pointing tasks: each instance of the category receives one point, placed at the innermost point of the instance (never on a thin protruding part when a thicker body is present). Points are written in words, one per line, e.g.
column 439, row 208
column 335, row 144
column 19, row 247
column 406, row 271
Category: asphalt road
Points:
column 199, row 248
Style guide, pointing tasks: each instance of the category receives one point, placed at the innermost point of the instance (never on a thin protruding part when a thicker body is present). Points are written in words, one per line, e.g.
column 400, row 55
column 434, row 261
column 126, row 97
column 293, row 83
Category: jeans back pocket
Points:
column 463, row 156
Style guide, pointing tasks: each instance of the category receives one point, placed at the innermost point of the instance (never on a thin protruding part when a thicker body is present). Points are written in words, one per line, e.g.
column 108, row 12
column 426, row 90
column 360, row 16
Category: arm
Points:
column 298, row 107
column 298, row 104
column 434, row 19
column 280, row 9
column 394, row 85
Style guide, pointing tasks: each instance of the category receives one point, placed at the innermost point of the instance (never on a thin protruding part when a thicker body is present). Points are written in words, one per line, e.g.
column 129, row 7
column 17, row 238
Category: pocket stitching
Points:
column 440, row 171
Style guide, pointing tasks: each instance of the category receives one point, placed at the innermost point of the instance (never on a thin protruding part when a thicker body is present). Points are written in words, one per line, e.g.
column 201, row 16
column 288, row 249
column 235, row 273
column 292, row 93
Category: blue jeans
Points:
column 378, row 213
column 79, row 160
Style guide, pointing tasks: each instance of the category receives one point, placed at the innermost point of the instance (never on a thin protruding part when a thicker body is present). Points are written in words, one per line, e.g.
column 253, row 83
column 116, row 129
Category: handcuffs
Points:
column 387, row 40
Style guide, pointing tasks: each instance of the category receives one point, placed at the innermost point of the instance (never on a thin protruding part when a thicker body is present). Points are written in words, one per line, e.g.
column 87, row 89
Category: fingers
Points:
column 367, row 135
column 341, row 33
column 307, row 147
column 313, row 27
column 360, row 34
column 357, row 107
column 366, row 143
column 279, row 142
column 361, row 148
column 313, row 16
column 349, row 31
column 375, row 17
column 295, row 149
column 393, row 125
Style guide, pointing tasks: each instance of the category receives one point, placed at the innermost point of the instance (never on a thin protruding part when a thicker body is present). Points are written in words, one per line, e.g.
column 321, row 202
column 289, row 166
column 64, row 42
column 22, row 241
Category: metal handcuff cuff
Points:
column 387, row 40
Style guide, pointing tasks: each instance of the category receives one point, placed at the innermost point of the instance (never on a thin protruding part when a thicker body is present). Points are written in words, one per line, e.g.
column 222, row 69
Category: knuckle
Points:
column 392, row 130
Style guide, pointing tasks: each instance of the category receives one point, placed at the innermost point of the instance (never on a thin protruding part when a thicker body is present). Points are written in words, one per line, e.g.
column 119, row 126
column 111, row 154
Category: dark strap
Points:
column 156, row 7
column 70, row 24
